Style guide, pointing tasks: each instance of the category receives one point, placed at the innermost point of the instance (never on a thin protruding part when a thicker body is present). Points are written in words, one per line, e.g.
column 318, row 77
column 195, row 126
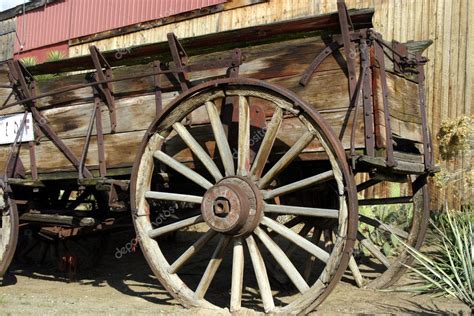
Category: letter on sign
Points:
column 10, row 126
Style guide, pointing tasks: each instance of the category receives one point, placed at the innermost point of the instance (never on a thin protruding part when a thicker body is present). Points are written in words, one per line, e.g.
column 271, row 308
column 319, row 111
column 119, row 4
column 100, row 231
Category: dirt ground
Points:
column 125, row 286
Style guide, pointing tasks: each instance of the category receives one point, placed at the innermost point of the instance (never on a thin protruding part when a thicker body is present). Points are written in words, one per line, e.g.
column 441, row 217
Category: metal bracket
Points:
column 346, row 28
column 379, row 56
column 427, row 146
column 157, row 83
column 180, row 59
column 330, row 49
column 106, row 89
column 234, row 69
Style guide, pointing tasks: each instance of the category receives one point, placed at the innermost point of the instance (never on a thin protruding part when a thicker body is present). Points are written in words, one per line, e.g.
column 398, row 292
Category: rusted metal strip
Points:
column 34, row 168
column 384, row 201
column 331, row 48
column 379, row 56
column 7, row 99
column 14, row 166
column 42, row 122
column 100, row 139
column 85, row 149
column 349, row 50
column 105, row 89
column 400, row 55
column 354, row 104
column 427, row 145
column 157, row 82
column 367, row 184
column 180, row 59
column 369, row 128
column 234, row 68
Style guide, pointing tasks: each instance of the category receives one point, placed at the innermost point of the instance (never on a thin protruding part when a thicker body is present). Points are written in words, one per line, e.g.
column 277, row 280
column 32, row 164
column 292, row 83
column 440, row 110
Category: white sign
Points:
column 10, row 126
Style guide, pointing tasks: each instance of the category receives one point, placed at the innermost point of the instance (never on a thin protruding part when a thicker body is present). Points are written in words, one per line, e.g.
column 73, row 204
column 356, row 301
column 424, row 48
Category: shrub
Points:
column 448, row 267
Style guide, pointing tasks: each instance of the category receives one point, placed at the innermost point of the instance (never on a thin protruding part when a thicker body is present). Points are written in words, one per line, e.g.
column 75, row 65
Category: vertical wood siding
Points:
column 7, row 38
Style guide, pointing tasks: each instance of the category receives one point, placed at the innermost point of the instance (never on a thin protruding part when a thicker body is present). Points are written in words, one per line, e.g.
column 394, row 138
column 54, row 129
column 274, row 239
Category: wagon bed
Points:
column 264, row 127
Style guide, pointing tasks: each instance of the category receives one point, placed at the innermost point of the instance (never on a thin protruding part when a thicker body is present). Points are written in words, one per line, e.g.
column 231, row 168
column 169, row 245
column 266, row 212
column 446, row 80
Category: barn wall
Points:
column 449, row 74
column 7, row 38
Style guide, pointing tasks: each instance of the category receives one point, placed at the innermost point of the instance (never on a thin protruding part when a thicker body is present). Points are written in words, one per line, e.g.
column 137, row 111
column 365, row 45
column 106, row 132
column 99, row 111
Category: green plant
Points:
column 397, row 215
column 54, row 55
column 448, row 267
column 29, row 61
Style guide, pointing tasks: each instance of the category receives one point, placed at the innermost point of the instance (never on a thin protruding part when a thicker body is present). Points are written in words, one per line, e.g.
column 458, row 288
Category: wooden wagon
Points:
column 263, row 139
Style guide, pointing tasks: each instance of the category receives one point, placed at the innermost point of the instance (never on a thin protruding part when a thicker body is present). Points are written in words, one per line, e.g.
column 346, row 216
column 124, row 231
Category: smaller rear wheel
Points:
column 385, row 224
column 8, row 231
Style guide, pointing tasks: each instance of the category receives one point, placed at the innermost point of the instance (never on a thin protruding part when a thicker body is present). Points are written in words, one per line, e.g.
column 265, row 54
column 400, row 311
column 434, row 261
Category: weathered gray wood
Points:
column 181, row 168
column 267, row 143
column 198, row 150
column 297, row 239
column 373, row 249
column 212, row 267
column 191, row 251
column 301, row 210
column 173, row 197
column 157, row 232
column 284, row 161
column 221, row 140
column 68, row 114
column 386, row 227
column 243, row 156
column 283, row 261
column 308, row 267
column 261, row 275
column 237, row 275
column 356, row 272
column 299, row 185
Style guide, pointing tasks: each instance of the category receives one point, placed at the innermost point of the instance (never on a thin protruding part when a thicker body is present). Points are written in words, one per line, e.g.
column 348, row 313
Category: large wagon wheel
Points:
column 408, row 225
column 239, row 208
column 8, row 231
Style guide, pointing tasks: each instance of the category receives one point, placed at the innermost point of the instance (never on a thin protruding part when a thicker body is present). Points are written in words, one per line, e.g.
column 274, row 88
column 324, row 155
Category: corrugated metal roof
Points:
column 67, row 19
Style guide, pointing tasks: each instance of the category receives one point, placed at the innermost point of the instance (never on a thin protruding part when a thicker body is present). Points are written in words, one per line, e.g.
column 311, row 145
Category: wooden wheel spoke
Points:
column 185, row 171
column 198, row 150
column 191, row 251
column 356, row 272
column 261, row 275
column 301, row 210
column 237, row 275
column 297, row 239
column 287, row 158
column 299, row 185
column 173, row 197
column 282, row 260
column 311, row 259
column 221, row 140
column 153, row 233
column 373, row 249
column 379, row 224
column 212, row 267
column 303, row 232
column 267, row 143
column 243, row 157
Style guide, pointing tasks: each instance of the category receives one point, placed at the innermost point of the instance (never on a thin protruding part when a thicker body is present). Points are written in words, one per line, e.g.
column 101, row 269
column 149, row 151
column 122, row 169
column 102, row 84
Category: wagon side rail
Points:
column 22, row 85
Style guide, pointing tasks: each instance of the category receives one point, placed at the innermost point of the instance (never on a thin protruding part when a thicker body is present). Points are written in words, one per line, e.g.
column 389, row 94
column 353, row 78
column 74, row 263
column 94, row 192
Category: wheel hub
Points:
column 233, row 206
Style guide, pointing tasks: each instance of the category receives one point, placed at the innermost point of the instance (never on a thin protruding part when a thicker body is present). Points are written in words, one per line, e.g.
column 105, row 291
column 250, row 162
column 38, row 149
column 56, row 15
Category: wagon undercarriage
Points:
column 258, row 158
